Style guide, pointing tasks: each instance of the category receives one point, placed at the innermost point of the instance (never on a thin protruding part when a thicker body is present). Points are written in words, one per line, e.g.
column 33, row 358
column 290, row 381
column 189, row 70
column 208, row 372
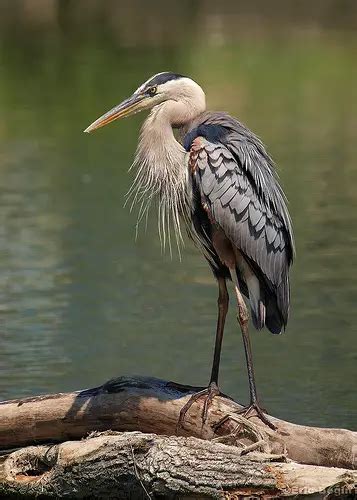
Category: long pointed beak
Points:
column 128, row 107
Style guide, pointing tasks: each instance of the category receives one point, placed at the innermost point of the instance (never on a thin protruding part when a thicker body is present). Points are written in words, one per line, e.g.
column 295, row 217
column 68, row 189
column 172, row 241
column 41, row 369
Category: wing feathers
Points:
column 237, row 182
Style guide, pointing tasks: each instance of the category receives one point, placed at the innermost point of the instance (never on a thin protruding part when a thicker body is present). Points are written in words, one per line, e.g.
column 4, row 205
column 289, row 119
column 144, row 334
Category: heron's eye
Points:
column 152, row 91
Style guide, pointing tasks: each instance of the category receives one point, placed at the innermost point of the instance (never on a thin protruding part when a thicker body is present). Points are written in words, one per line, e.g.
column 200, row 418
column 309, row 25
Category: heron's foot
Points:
column 254, row 410
column 207, row 394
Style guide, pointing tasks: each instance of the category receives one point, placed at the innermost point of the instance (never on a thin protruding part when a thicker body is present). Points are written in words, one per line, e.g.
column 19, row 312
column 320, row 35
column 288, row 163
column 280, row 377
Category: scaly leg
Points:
column 243, row 317
column 212, row 390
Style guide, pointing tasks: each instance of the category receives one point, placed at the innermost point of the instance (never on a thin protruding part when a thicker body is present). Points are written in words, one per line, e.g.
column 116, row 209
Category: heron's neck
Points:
column 158, row 149
column 162, row 164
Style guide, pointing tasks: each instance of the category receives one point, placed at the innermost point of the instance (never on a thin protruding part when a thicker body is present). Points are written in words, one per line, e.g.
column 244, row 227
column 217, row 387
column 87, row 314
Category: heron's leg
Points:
column 243, row 318
column 212, row 390
column 223, row 300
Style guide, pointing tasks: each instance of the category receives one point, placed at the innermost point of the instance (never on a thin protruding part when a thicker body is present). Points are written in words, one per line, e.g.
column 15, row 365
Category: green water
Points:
column 80, row 300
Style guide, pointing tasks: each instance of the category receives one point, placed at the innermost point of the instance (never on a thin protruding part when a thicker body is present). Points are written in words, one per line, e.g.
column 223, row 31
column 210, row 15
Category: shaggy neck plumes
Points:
column 162, row 167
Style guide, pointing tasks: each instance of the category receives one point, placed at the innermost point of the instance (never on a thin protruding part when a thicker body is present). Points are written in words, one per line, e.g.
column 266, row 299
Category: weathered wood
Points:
column 141, row 466
column 152, row 406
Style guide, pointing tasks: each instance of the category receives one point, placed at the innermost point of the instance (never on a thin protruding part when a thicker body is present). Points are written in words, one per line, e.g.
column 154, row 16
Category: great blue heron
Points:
column 217, row 177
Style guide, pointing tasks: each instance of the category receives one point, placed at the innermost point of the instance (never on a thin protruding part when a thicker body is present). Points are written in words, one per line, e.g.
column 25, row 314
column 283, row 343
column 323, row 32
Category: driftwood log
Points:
column 234, row 457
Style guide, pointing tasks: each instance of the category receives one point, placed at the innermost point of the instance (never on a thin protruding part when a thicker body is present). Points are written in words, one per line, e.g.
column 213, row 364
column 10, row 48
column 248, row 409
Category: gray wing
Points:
column 237, row 182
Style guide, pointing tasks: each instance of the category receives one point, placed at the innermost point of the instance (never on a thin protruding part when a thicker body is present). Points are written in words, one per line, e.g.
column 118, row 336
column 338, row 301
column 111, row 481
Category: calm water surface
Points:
column 81, row 301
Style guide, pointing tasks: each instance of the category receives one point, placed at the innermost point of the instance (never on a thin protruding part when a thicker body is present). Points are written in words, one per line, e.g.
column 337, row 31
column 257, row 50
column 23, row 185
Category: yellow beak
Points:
column 128, row 107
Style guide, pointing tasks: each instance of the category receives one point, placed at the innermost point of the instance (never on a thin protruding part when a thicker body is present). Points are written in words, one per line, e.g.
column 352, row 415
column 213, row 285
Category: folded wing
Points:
column 237, row 182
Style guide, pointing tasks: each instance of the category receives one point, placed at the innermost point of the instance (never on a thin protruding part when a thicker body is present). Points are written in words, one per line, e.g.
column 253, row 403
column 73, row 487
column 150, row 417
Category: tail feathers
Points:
column 265, row 308
column 268, row 308
column 283, row 298
column 257, row 305
column 274, row 321
column 258, row 310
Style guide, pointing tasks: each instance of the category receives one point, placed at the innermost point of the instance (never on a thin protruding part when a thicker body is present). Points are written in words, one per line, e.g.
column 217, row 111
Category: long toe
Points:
column 254, row 410
column 207, row 394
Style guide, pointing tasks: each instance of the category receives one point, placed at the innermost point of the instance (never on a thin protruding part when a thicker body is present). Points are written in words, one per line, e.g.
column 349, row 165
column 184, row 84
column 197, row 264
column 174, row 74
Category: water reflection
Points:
column 80, row 300
column 31, row 274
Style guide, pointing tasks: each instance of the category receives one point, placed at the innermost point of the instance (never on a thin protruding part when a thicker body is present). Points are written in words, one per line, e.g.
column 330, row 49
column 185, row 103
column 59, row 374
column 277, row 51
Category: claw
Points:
column 209, row 393
column 254, row 407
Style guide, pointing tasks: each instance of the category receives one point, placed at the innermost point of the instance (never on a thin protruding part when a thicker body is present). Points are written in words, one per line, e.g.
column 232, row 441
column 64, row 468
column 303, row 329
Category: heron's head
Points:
column 162, row 87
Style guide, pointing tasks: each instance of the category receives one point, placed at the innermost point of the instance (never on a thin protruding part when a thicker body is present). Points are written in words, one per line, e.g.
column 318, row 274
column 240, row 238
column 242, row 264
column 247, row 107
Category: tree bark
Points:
column 141, row 466
column 152, row 406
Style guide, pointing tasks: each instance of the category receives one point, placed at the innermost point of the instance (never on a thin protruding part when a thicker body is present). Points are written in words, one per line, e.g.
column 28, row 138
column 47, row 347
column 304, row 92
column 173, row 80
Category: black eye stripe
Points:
column 162, row 78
